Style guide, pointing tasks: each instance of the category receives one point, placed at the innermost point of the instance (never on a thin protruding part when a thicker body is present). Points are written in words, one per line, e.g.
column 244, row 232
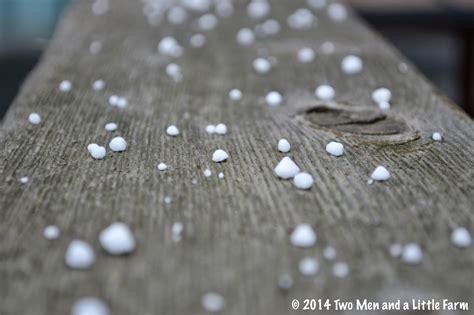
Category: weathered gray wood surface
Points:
column 236, row 229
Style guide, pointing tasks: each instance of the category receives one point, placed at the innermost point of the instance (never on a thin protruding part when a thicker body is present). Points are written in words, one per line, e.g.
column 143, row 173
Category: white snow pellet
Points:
column 24, row 180
column 258, row 9
column 219, row 156
column 177, row 231
column 325, row 92
column 113, row 100
column 235, row 95
column 177, row 15
column 286, row 168
column 306, row 55
column 262, row 65
column 224, row 8
column 96, row 151
column 329, row 253
column 380, row 174
column 207, row 172
column 118, row 144
column 301, row 19
column 65, row 86
column 395, row 250
column 337, row 12
column 412, row 254
column 335, row 148
column 340, row 270
column 79, row 255
column 317, row 4
column 303, row 236
column 170, row 47
column 351, row 64
column 436, row 136
column 34, row 118
column 381, row 95
column 174, row 72
column 308, row 266
column 117, row 239
column 197, row 40
column 122, row 102
column 167, row 200
column 89, row 306
column 284, row 146
column 172, row 131
column 212, row 302
column 461, row 237
column 245, row 37
column 303, row 180
column 221, row 129
column 98, row 85
column 328, row 48
column 207, row 22
column 210, row 129
column 273, row 98
column 51, row 232
column 285, row 282
column 111, row 126
column 220, row 175
column 162, row 166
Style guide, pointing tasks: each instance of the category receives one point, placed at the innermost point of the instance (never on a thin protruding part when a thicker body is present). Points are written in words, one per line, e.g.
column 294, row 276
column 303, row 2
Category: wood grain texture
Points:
column 236, row 230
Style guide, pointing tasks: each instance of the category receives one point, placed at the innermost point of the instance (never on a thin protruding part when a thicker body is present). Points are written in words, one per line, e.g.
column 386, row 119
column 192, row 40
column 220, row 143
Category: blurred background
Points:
column 436, row 35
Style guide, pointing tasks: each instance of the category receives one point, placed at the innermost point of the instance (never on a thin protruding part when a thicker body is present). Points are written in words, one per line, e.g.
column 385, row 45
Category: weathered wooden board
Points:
column 236, row 229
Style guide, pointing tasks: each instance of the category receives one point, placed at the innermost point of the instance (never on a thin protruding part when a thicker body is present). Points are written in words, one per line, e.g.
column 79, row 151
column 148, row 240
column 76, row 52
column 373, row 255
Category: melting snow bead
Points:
column 118, row 144
column 177, row 15
column 111, row 127
column 337, row 12
column 301, row 19
column 95, row 47
column 219, row 156
column 461, row 237
column 351, row 64
column 207, row 172
column 335, row 148
column 96, row 151
column 172, row 131
column 340, row 270
column 308, row 266
column 207, row 22
column 89, row 306
column 284, row 146
column 306, row 55
column 303, row 180
column 235, row 95
column 169, row 46
column 221, row 129
column 245, row 37
column 285, row 282
column 98, row 85
column 286, row 168
column 317, row 4
column 381, row 95
column 224, row 8
column 303, row 236
column 212, row 302
column 273, row 98
column 197, row 40
column 51, row 232
column 436, row 136
column 34, row 118
column 330, row 253
column 328, row 48
column 177, row 231
column 174, row 71
column 262, row 65
column 65, row 86
column 412, row 254
column 122, row 102
column 117, row 239
column 325, row 92
column 210, row 129
column 79, row 255
column 384, row 106
column 162, row 166
column 380, row 173
column 220, row 175
column 24, row 179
